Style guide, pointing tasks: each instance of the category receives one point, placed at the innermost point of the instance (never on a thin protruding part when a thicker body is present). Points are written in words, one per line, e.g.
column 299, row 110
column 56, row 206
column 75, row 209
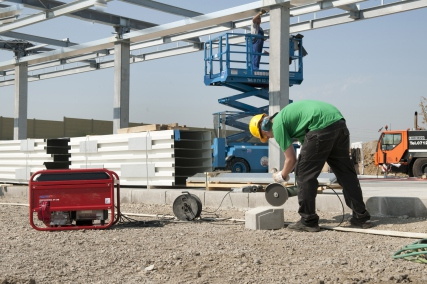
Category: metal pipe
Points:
column 416, row 121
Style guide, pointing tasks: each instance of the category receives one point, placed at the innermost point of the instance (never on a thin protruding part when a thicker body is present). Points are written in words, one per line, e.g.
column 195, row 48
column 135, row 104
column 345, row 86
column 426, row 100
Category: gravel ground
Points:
column 202, row 252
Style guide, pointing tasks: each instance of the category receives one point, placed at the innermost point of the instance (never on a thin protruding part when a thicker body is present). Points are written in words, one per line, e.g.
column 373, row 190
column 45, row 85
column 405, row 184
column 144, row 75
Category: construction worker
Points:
column 257, row 43
column 322, row 131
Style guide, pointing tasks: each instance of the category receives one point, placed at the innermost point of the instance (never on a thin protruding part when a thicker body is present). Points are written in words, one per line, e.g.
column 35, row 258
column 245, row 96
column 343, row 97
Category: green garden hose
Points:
column 416, row 252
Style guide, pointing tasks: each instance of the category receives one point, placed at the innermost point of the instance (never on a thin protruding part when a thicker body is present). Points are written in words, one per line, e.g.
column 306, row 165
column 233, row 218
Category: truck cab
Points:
column 403, row 151
column 392, row 146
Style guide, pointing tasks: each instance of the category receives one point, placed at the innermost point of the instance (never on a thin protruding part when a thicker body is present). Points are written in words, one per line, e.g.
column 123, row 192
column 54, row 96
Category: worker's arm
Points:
column 258, row 16
column 290, row 161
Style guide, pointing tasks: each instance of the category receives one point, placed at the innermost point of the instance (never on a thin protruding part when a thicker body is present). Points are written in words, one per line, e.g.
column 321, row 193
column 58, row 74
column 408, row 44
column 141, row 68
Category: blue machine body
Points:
column 228, row 63
column 240, row 157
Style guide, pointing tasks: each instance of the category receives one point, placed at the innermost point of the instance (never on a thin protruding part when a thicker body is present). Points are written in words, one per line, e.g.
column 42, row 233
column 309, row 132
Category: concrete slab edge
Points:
column 377, row 205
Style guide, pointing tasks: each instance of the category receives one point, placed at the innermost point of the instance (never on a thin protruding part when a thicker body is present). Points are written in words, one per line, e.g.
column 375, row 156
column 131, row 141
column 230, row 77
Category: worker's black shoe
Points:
column 363, row 225
column 298, row 226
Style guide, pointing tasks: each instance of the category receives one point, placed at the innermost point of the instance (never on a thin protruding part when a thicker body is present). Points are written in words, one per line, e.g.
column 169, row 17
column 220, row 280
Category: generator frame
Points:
column 64, row 198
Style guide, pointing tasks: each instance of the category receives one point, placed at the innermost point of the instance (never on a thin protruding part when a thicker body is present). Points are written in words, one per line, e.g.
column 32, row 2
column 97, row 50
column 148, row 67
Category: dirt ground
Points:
column 368, row 158
column 203, row 251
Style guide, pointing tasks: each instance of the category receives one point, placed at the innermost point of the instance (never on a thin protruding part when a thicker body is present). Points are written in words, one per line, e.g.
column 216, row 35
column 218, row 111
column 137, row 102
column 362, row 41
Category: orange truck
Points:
column 403, row 151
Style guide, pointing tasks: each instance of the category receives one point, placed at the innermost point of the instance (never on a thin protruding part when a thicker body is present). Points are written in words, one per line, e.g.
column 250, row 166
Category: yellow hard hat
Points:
column 255, row 127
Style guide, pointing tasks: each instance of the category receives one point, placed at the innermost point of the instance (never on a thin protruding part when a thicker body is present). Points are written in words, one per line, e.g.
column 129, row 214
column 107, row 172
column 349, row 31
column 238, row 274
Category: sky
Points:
column 373, row 70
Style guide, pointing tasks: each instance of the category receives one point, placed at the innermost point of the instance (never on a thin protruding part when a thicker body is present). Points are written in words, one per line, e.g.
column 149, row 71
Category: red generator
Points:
column 74, row 199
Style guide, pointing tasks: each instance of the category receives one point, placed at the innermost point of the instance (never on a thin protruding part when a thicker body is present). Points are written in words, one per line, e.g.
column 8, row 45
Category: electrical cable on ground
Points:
column 219, row 204
column 342, row 205
column 126, row 221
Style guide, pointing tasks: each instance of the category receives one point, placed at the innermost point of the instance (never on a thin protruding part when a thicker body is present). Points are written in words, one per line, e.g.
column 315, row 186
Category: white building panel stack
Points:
column 21, row 158
column 157, row 158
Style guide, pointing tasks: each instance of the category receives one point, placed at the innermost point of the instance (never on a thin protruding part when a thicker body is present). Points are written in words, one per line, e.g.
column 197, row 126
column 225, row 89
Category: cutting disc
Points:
column 276, row 194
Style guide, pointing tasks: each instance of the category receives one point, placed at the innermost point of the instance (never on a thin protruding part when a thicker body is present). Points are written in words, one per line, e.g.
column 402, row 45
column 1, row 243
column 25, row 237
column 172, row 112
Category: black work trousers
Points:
column 330, row 145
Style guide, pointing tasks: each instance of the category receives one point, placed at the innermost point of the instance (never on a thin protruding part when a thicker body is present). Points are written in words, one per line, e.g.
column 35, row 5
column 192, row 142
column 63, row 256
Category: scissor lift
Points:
column 228, row 63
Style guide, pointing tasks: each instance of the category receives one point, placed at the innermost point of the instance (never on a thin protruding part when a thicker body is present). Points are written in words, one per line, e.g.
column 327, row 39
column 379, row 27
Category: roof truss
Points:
column 198, row 26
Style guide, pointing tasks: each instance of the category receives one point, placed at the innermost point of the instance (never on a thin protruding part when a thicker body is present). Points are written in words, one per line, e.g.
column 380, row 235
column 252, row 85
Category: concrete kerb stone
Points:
column 397, row 206
column 14, row 190
column 226, row 199
column 393, row 206
column 125, row 195
column 331, row 203
column 257, row 199
column 148, row 196
column 171, row 195
column 265, row 218
column 3, row 189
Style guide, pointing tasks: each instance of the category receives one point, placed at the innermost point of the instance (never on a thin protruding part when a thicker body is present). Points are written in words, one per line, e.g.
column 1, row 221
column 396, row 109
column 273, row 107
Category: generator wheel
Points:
column 420, row 167
column 238, row 165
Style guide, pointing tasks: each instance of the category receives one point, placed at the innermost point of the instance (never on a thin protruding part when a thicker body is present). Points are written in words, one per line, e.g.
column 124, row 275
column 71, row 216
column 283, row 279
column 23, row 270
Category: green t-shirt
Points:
column 297, row 118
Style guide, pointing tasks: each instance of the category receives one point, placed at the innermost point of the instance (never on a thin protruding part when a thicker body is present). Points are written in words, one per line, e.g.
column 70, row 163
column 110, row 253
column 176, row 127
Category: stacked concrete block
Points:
column 265, row 218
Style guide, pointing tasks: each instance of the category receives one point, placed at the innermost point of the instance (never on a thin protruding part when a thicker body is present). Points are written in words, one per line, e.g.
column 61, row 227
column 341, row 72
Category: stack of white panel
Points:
column 21, row 158
column 157, row 158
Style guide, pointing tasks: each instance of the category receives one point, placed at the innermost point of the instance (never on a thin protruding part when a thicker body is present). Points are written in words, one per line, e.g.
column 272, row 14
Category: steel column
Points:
column 21, row 101
column 121, row 85
column 279, row 74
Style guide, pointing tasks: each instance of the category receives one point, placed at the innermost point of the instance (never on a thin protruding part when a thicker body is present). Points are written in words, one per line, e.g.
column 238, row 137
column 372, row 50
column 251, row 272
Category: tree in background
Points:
column 423, row 105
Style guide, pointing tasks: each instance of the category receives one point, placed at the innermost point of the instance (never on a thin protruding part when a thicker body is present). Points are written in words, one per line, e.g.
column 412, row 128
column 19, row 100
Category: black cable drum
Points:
column 187, row 207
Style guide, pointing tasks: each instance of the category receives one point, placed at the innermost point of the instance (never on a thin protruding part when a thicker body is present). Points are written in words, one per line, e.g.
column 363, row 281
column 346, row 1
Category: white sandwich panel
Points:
column 21, row 158
column 153, row 158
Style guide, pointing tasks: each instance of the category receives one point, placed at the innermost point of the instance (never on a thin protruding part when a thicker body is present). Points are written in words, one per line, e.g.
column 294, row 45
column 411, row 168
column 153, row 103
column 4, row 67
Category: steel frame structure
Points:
column 92, row 56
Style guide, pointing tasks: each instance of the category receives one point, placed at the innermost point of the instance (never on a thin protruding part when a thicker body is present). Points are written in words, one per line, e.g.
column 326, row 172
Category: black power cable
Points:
column 126, row 221
column 213, row 212
column 342, row 205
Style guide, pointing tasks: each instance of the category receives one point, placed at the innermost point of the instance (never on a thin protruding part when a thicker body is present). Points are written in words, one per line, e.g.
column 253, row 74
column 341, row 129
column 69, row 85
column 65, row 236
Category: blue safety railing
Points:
column 228, row 60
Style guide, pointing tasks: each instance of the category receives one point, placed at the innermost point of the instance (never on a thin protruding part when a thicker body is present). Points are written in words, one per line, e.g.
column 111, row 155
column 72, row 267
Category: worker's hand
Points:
column 262, row 12
column 279, row 178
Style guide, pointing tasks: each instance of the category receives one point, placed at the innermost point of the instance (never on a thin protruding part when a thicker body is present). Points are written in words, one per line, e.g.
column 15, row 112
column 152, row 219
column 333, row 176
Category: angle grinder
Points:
column 276, row 194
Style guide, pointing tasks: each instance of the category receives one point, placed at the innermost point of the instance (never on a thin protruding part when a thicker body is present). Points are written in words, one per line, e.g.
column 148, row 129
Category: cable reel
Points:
column 187, row 207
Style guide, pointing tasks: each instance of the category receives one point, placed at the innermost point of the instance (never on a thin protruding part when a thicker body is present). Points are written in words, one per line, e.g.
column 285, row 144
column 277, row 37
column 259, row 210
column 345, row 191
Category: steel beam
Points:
column 92, row 15
column 369, row 13
column 364, row 14
column 87, row 15
column 103, row 65
column 164, row 8
column 212, row 19
column 181, row 26
column 170, row 52
column 324, row 5
column 9, row 13
column 49, row 14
